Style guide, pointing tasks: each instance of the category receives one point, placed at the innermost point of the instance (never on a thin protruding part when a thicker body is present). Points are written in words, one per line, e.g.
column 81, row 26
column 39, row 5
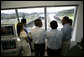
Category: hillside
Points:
column 13, row 15
column 66, row 12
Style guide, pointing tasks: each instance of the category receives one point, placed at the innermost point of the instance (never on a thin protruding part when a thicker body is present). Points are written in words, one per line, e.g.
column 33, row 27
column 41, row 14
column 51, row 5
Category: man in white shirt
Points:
column 38, row 38
column 54, row 38
column 67, row 30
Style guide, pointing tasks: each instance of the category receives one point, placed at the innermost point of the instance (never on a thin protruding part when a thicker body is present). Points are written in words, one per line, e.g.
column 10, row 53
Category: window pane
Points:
column 57, row 13
column 30, row 14
column 8, row 17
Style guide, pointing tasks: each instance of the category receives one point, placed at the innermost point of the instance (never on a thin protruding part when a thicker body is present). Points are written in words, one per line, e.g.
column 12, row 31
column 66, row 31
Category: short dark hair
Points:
column 70, row 21
column 38, row 22
column 66, row 18
column 53, row 24
column 23, row 21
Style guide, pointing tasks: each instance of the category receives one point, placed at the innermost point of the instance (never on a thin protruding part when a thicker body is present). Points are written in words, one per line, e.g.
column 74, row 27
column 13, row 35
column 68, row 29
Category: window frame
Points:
column 45, row 12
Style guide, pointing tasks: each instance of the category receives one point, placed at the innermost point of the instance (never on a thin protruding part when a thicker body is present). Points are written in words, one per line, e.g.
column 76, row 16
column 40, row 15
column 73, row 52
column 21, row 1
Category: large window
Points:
column 30, row 14
column 8, row 17
column 57, row 13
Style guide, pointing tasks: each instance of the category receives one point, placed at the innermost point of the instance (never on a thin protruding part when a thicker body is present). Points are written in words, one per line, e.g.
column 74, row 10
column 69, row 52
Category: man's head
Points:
column 23, row 21
column 53, row 24
column 38, row 23
column 70, row 21
column 65, row 20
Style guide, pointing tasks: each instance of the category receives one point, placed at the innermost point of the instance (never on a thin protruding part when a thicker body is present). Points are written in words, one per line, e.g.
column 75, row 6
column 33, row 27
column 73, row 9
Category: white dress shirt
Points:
column 54, row 38
column 38, row 35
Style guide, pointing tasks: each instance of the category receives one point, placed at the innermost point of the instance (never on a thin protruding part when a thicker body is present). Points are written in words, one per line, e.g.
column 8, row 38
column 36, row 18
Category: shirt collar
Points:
column 54, row 30
column 37, row 27
column 66, row 24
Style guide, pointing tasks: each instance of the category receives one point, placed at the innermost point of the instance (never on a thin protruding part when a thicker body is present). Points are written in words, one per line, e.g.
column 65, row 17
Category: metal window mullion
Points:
column 17, row 15
column 45, row 12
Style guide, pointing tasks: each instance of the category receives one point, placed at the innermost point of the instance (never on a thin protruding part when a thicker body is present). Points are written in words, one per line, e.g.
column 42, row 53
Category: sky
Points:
column 31, row 10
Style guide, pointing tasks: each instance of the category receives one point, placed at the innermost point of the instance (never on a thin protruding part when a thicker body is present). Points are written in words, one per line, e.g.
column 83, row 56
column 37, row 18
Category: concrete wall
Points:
column 78, row 29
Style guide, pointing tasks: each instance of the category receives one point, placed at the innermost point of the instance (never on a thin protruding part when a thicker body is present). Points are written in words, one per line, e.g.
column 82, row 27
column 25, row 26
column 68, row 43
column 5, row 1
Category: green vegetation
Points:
column 28, row 20
column 69, row 13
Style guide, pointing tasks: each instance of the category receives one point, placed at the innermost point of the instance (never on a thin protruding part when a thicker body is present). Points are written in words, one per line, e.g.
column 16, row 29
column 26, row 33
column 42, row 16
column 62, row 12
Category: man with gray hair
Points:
column 38, row 38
